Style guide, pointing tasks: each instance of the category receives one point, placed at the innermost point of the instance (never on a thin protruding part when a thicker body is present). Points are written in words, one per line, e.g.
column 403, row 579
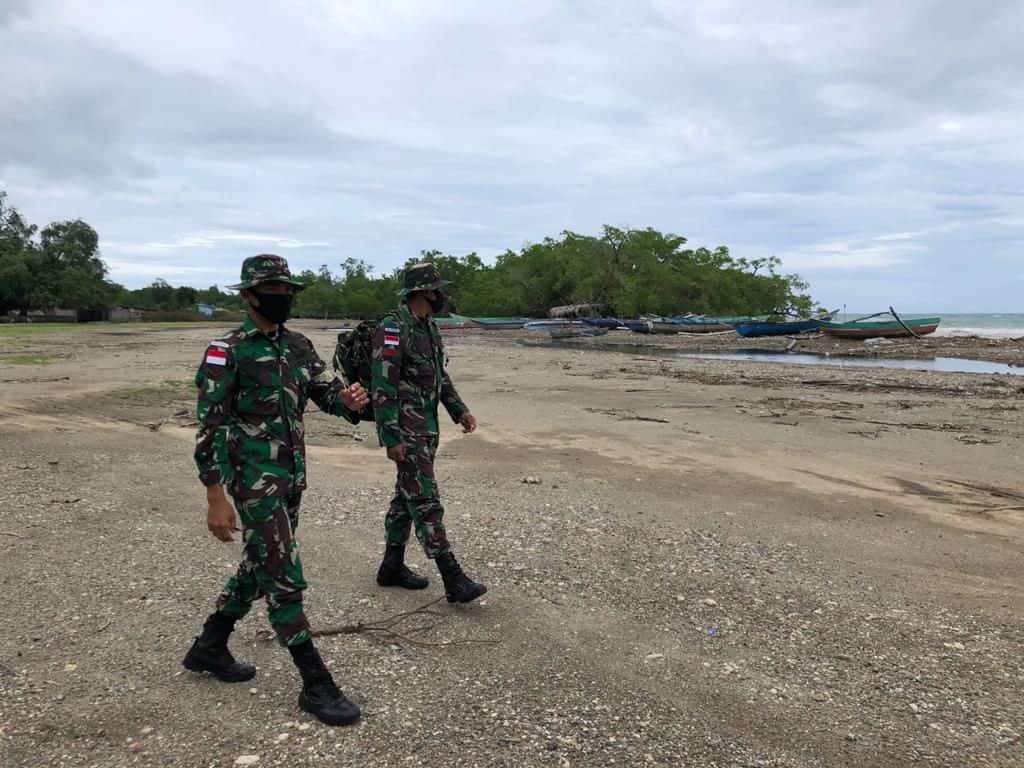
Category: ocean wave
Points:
column 985, row 333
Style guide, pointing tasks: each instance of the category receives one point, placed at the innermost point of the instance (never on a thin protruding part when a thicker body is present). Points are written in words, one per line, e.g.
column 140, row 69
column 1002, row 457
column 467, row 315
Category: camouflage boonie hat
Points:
column 422, row 277
column 266, row 268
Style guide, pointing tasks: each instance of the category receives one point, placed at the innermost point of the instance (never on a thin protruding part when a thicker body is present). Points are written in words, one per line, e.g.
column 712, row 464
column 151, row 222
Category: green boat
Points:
column 500, row 323
column 921, row 326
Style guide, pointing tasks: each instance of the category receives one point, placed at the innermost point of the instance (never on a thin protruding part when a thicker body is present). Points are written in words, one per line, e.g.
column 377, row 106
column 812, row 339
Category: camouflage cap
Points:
column 422, row 277
column 266, row 268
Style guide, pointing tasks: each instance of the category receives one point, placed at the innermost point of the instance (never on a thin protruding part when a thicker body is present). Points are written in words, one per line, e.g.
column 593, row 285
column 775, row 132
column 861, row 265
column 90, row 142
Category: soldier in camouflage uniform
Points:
column 254, row 384
column 409, row 382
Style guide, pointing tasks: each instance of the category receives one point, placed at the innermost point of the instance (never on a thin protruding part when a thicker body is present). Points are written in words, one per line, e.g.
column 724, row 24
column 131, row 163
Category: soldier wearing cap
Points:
column 409, row 382
column 254, row 384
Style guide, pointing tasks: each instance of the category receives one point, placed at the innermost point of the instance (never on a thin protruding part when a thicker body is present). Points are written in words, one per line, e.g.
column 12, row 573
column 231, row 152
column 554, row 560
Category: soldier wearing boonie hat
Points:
column 409, row 383
column 253, row 387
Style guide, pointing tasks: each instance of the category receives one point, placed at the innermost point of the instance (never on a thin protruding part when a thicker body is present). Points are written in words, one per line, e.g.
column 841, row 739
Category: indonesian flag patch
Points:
column 216, row 356
column 391, row 340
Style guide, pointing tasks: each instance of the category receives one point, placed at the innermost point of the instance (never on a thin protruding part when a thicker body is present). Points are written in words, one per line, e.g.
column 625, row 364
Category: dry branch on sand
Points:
column 389, row 628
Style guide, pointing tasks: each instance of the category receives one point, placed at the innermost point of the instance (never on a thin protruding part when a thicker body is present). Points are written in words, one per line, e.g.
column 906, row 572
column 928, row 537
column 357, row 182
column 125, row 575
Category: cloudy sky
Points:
column 876, row 147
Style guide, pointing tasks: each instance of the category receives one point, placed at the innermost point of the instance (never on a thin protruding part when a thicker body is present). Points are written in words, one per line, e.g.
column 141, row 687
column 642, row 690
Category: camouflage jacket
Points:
column 253, row 389
column 409, row 378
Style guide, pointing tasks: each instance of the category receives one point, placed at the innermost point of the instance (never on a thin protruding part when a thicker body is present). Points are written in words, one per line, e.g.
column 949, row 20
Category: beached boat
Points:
column 861, row 329
column 549, row 325
column 454, row 322
column 700, row 323
column 723, row 319
column 751, row 330
column 500, row 323
column 576, row 330
column 787, row 328
column 610, row 323
column 638, row 326
column 692, row 325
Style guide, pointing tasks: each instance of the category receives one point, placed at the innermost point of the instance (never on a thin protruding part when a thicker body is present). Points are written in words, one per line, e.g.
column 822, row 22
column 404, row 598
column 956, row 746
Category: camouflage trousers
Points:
column 416, row 501
column 271, row 569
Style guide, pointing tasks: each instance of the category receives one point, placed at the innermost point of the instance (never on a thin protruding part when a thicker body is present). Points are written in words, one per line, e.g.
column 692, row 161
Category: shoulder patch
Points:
column 219, row 343
column 391, row 330
column 216, row 355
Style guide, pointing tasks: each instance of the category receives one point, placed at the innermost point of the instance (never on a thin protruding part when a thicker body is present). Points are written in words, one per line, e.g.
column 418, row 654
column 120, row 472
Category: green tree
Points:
column 73, row 272
column 19, row 261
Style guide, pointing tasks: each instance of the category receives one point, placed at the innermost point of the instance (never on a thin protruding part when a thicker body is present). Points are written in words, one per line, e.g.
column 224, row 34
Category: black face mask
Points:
column 275, row 307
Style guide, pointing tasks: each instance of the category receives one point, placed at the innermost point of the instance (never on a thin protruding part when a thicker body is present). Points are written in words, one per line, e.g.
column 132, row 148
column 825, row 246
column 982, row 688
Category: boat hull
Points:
column 611, row 323
column 751, row 330
column 499, row 323
column 637, row 326
column 692, row 327
column 454, row 322
column 575, row 332
column 550, row 325
column 887, row 329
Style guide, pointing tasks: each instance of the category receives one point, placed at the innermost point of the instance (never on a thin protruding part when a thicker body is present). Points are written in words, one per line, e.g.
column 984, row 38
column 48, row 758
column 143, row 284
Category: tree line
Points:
column 628, row 271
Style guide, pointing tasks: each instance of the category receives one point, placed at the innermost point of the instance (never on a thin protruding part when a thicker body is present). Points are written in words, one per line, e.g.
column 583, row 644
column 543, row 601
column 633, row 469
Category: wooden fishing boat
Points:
column 549, row 325
column 692, row 325
column 610, row 323
column 700, row 323
column 454, row 322
column 750, row 330
column 638, row 326
column 782, row 327
column 575, row 330
column 500, row 323
column 859, row 329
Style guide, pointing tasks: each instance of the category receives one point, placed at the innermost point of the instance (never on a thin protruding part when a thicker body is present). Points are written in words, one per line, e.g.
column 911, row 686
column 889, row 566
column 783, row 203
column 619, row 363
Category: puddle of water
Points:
column 940, row 365
column 937, row 364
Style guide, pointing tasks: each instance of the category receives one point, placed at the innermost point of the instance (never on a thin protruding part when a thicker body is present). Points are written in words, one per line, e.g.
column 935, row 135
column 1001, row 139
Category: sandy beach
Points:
column 690, row 562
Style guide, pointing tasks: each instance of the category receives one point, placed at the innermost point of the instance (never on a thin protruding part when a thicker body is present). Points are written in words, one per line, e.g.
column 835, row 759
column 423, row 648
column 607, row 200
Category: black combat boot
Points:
column 458, row 587
column 320, row 696
column 393, row 571
column 209, row 652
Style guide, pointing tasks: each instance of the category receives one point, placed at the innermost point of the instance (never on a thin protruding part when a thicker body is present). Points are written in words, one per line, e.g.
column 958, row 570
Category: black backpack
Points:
column 353, row 356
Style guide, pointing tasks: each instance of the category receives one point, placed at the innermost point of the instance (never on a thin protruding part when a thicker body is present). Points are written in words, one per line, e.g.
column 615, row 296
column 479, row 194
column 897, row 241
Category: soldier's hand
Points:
column 354, row 397
column 468, row 423
column 397, row 453
column 221, row 520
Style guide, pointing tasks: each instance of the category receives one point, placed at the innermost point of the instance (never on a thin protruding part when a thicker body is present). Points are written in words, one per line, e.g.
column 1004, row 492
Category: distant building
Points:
column 206, row 310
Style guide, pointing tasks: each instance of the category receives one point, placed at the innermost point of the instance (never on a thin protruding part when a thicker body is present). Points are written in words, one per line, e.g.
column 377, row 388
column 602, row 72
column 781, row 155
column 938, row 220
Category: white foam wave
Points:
column 985, row 333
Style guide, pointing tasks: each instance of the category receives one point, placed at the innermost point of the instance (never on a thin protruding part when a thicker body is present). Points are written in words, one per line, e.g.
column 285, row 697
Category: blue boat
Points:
column 638, row 326
column 749, row 330
column 611, row 323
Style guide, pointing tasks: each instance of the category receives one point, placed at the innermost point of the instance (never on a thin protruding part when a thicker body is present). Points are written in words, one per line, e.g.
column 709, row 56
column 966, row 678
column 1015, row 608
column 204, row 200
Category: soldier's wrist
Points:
column 215, row 492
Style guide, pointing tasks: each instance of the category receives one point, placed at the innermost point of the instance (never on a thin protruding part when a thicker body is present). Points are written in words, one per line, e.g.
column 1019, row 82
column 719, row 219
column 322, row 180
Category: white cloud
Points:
column 193, row 134
column 840, row 255
column 214, row 239
column 123, row 268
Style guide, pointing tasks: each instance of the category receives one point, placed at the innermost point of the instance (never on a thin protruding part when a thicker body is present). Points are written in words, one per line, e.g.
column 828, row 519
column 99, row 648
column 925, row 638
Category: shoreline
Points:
column 1008, row 351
